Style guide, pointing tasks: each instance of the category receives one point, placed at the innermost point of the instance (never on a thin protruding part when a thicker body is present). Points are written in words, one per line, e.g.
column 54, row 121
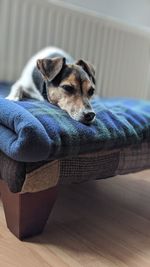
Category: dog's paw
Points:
column 11, row 97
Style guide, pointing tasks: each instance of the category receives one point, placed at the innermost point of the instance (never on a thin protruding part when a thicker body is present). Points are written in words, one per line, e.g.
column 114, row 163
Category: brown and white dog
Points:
column 51, row 74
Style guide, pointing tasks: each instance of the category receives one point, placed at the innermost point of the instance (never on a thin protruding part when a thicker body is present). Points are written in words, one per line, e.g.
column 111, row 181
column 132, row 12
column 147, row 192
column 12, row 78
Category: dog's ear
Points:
column 88, row 68
column 50, row 67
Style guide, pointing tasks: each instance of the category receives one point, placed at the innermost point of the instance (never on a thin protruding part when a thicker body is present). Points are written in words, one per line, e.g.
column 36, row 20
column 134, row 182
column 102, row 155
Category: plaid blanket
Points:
column 34, row 131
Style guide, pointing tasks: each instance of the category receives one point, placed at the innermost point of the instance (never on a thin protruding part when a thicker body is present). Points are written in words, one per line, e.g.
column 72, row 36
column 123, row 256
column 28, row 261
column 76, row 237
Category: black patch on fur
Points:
column 38, row 80
column 93, row 79
column 62, row 75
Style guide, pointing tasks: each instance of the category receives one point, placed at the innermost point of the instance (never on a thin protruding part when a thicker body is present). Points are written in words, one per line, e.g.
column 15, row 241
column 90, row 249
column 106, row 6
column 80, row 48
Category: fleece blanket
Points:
column 33, row 131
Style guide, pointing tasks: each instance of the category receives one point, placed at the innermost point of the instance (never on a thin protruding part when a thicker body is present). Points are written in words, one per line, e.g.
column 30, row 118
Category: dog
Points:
column 52, row 74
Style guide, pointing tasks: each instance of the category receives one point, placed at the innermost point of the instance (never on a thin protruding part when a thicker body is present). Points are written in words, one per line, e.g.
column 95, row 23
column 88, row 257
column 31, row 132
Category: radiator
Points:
column 120, row 53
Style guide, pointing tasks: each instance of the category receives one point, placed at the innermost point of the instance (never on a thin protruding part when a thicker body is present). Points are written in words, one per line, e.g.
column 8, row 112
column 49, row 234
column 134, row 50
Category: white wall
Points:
column 133, row 11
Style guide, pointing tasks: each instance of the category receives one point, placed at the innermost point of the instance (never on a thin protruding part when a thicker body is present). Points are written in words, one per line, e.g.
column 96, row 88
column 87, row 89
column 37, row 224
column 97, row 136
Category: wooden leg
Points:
column 26, row 214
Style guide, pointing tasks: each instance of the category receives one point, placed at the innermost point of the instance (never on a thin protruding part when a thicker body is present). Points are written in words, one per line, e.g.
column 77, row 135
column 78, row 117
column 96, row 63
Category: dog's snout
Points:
column 89, row 116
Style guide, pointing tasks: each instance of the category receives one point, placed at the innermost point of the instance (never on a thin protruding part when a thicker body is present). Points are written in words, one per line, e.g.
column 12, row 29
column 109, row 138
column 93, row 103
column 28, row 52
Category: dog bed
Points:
column 41, row 147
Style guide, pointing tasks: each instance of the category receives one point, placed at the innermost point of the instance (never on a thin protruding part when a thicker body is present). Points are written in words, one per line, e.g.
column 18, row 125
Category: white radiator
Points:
column 121, row 54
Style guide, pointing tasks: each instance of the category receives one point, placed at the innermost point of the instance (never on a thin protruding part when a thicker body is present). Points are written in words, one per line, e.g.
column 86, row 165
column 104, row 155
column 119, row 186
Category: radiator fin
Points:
column 120, row 55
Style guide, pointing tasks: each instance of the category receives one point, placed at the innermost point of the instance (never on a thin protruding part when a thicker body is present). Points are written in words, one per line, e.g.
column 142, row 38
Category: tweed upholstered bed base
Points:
column 34, row 177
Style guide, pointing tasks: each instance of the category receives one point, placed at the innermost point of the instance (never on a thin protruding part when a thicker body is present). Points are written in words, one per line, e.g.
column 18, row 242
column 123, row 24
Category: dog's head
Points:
column 70, row 86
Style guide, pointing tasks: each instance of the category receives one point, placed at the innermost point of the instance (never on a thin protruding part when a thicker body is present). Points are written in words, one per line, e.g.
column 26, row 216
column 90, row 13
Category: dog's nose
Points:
column 89, row 116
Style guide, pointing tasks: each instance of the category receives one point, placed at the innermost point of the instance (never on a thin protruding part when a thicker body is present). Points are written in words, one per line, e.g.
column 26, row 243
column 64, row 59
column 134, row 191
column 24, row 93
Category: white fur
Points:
column 25, row 82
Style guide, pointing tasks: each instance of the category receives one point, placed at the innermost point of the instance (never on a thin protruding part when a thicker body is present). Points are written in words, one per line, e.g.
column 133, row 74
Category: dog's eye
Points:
column 68, row 88
column 91, row 91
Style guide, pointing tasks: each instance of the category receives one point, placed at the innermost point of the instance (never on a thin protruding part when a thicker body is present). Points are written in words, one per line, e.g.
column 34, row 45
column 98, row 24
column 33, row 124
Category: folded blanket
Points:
column 33, row 131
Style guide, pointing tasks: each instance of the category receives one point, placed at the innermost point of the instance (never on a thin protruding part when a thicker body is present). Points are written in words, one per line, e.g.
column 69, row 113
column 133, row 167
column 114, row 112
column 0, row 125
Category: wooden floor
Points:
column 96, row 224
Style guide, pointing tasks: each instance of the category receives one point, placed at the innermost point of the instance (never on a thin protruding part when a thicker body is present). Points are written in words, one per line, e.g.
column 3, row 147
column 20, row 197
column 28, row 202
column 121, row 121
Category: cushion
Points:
column 34, row 131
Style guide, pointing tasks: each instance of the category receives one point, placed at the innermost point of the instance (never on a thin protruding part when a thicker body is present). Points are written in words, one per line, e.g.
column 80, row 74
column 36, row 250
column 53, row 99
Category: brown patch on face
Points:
column 86, row 86
column 72, row 80
column 53, row 95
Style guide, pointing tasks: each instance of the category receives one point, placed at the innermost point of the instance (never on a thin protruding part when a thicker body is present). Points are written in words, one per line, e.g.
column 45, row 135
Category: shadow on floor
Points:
column 108, row 218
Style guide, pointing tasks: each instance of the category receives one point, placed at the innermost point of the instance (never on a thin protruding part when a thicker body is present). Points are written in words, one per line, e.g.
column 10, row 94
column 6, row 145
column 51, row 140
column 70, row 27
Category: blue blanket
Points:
column 33, row 131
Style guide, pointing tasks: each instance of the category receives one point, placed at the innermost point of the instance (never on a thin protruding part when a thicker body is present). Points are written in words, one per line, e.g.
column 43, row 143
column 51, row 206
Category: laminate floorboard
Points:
column 94, row 224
